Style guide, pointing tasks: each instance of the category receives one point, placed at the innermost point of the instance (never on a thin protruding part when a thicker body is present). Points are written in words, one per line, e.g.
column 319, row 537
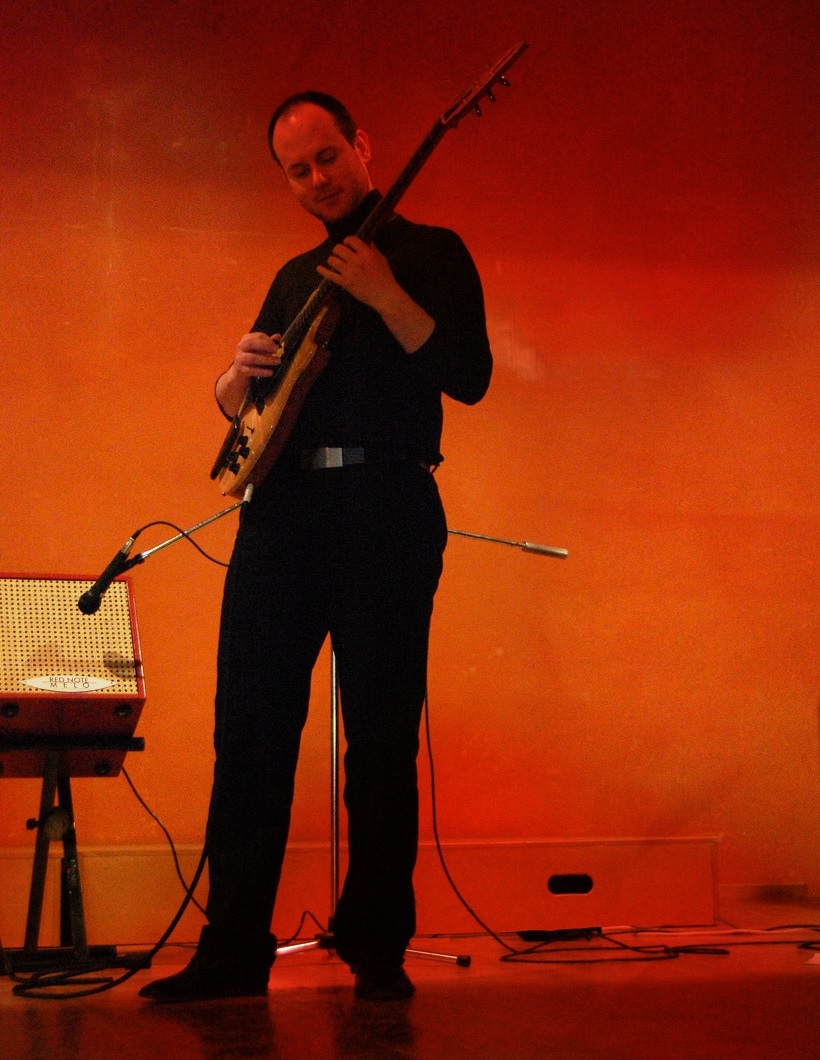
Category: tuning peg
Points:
column 490, row 95
column 504, row 82
column 477, row 110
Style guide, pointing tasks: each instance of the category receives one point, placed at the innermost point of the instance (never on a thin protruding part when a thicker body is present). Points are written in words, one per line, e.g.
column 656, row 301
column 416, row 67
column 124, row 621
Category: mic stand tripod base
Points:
column 324, row 941
column 461, row 960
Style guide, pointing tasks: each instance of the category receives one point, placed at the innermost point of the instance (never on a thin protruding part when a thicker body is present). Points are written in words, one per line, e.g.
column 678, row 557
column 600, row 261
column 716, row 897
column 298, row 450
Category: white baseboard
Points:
column 130, row 894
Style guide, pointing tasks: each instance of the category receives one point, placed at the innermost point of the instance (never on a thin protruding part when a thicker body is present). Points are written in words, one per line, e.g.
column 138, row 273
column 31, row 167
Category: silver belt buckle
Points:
column 329, row 457
column 324, row 457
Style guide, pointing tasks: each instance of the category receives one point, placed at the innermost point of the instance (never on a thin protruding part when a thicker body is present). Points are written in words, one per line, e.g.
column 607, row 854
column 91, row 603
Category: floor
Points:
column 749, row 989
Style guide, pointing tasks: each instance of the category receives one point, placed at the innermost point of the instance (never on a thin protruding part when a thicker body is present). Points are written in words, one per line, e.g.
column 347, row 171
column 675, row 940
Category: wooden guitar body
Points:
column 261, row 428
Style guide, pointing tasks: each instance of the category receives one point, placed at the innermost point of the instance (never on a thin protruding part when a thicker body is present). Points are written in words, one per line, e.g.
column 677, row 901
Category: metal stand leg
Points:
column 41, row 846
column 56, row 822
column 72, row 914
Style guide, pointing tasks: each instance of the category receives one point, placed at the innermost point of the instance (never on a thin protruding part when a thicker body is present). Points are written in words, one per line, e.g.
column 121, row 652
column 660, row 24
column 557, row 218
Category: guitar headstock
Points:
column 483, row 86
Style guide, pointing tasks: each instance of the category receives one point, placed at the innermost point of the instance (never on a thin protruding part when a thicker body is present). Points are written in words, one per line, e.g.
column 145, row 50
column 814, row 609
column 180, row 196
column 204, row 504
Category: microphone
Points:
column 543, row 550
column 89, row 602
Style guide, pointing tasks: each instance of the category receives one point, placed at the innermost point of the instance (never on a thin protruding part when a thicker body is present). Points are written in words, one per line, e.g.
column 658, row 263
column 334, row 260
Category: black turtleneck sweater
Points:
column 372, row 393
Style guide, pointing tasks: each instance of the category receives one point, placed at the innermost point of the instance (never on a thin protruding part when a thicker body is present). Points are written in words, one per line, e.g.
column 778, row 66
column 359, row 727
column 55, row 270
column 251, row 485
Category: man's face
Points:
column 328, row 175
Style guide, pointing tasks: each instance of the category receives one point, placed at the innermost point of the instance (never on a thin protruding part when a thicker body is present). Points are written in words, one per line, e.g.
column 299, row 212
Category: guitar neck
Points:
column 387, row 203
column 468, row 102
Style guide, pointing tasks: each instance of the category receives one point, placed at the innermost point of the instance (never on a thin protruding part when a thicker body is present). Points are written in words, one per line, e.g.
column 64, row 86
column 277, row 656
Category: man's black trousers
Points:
column 355, row 552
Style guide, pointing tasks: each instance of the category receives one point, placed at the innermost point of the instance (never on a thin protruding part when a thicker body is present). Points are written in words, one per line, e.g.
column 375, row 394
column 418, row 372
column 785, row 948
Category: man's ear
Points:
column 362, row 146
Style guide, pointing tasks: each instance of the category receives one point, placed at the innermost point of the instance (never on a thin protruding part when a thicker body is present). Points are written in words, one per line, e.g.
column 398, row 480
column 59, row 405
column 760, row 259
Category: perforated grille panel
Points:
column 42, row 632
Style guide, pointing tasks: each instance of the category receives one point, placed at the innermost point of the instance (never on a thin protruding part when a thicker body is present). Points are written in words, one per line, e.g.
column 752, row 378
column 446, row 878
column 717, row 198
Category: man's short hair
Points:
column 338, row 111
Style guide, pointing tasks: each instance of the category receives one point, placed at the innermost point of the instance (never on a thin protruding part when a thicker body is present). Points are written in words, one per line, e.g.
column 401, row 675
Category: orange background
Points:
column 642, row 205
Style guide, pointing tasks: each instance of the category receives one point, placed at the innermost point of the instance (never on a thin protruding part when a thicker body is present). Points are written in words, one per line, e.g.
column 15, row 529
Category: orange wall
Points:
column 642, row 206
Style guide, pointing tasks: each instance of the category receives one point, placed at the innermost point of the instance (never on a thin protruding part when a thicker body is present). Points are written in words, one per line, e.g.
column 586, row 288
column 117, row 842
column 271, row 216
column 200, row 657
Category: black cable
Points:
column 40, row 984
column 166, row 833
column 183, row 533
column 442, row 859
column 637, row 953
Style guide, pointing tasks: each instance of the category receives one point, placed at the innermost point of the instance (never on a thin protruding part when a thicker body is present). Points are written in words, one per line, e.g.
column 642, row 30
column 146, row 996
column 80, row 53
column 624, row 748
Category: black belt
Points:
column 346, row 456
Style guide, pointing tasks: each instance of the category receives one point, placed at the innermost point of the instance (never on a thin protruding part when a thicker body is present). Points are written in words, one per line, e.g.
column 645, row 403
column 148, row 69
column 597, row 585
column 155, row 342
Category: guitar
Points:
column 270, row 406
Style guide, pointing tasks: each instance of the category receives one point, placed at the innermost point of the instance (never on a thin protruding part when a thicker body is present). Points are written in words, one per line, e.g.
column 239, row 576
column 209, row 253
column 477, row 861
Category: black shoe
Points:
column 383, row 984
column 215, row 972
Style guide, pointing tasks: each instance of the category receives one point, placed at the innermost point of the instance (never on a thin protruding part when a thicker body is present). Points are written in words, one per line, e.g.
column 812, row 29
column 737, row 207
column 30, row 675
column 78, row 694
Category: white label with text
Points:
column 73, row 683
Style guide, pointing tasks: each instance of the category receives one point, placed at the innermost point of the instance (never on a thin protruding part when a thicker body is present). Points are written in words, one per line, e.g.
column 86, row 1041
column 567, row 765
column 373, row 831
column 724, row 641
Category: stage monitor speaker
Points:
column 66, row 677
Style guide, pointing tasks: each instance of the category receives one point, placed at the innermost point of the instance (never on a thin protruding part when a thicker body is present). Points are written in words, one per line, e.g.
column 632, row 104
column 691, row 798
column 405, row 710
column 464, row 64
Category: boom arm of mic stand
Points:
column 143, row 556
column 525, row 546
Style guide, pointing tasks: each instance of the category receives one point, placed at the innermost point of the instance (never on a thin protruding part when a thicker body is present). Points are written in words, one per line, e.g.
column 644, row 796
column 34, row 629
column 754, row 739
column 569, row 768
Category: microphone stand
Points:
column 324, row 940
